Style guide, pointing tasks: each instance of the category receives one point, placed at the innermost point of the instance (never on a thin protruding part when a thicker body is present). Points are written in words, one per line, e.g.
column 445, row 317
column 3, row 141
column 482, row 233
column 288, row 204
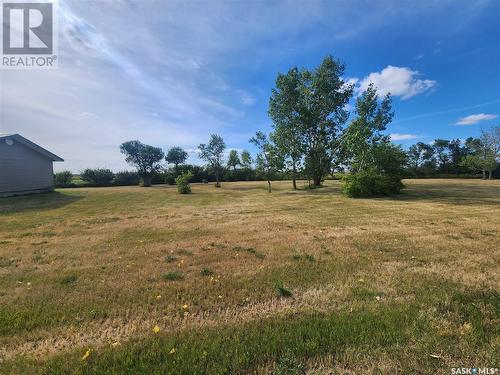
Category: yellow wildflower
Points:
column 156, row 329
column 158, row 297
column 185, row 307
column 87, row 354
column 172, row 351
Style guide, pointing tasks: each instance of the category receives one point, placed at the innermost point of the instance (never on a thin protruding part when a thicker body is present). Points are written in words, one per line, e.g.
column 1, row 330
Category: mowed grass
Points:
column 236, row 280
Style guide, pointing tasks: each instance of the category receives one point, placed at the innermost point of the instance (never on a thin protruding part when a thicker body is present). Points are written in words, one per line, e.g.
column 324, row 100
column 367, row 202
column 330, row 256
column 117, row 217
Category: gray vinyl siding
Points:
column 23, row 169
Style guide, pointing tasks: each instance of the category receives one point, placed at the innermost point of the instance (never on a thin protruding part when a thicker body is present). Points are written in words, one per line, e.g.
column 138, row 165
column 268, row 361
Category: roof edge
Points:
column 26, row 142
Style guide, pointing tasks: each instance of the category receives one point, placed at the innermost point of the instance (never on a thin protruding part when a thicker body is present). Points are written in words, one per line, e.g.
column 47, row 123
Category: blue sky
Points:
column 172, row 72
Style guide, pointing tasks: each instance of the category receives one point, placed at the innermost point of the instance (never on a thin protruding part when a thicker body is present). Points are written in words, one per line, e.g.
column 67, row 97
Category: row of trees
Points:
column 454, row 157
column 314, row 135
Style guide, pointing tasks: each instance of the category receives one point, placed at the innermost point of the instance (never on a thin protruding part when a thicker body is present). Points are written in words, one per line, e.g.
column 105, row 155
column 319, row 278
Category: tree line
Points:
column 454, row 157
column 314, row 136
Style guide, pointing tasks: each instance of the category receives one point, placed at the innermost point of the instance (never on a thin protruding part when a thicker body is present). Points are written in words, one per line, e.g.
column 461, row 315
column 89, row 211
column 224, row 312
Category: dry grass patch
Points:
column 88, row 267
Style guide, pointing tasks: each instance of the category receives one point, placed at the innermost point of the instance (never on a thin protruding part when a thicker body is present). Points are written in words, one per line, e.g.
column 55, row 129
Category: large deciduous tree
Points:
column 213, row 154
column 485, row 152
column 440, row 148
column 420, row 155
column 365, row 131
column 269, row 160
column 308, row 108
column 376, row 164
column 246, row 159
column 285, row 111
column 176, row 156
column 324, row 96
column 145, row 158
column 233, row 159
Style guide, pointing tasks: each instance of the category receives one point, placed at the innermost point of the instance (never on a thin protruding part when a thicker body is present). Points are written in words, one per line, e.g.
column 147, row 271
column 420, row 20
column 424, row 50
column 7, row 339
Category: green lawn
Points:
column 236, row 280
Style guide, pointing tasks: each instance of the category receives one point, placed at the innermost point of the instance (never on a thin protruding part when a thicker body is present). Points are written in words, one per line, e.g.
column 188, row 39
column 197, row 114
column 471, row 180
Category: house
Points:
column 25, row 167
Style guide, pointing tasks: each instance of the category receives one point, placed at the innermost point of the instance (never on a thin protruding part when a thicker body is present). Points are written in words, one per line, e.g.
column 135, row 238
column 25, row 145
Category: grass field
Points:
column 236, row 280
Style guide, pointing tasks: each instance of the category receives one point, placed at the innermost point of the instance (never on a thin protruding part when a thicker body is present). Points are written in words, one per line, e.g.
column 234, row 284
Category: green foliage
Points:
column 126, row 178
column 98, row 176
column 288, row 364
column 206, row 272
column 67, row 280
column 173, row 276
column 246, row 159
column 182, row 182
column 369, row 183
column 176, row 156
column 364, row 133
column 233, row 160
column 170, row 258
column 213, row 153
column 145, row 158
column 376, row 165
column 169, row 178
column 282, row 291
column 308, row 108
column 269, row 161
column 63, row 179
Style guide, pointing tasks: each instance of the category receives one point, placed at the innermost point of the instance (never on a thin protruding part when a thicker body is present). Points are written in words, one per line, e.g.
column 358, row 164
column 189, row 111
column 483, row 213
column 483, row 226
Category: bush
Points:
column 126, row 178
column 182, row 182
column 63, row 179
column 173, row 276
column 169, row 178
column 371, row 183
column 98, row 176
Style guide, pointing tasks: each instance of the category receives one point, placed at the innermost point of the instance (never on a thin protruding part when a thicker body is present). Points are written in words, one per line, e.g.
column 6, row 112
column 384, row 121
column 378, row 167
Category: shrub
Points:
column 173, row 276
column 287, row 364
column 182, row 182
column 371, row 183
column 126, row 178
column 169, row 178
column 63, row 179
column 170, row 258
column 98, row 176
column 67, row 280
column 282, row 291
column 206, row 272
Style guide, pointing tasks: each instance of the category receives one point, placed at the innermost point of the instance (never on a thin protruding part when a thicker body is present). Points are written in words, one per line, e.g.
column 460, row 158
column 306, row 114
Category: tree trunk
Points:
column 484, row 173
column 294, row 177
column 489, row 174
column 317, row 181
column 146, row 181
column 269, row 189
column 217, row 182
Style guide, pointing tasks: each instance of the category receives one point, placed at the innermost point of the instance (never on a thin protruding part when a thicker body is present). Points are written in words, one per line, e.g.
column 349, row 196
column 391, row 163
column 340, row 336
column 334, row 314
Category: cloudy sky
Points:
column 172, row 72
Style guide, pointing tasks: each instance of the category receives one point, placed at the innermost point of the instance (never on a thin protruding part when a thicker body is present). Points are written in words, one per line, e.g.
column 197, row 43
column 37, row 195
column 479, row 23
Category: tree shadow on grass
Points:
column 450, row 193
column 36, row 202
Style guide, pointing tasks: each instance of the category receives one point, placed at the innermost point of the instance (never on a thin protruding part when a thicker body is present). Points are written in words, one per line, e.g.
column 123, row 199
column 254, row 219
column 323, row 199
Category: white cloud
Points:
column 403, row 137
column 246, row 98
column 398, row 81
column 474, row 119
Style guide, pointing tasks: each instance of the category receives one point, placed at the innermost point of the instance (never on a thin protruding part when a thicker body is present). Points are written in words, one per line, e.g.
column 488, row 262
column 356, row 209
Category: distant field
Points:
column 241, row 281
